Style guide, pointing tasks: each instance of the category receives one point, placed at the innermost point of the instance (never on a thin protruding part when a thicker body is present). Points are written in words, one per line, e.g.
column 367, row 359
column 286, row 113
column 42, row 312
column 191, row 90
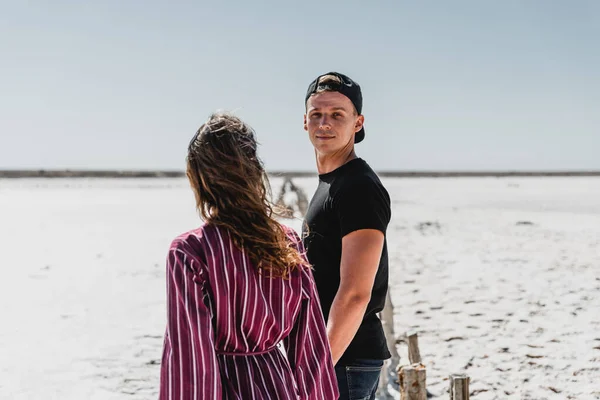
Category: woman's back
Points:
column 226, row 321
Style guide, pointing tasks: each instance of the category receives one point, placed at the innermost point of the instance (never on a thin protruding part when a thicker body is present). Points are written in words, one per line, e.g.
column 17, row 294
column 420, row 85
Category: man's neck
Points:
column 328, row 163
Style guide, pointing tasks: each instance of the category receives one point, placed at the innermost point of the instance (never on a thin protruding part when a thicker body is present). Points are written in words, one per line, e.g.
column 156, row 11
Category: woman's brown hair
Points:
column 232, row 191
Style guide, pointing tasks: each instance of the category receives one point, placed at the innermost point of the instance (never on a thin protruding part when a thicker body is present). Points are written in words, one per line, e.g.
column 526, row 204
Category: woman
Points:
column 239, row 286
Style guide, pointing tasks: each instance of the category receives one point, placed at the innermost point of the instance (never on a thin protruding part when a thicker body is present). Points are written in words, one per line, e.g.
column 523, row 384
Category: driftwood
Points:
column 412, row 378
column 388, row 384
column 301, row 203
column 413, row 382
column 414, row 355
column 459, row 387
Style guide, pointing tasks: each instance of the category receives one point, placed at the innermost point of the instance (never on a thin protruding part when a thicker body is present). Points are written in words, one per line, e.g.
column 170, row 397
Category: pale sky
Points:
column 447, row 85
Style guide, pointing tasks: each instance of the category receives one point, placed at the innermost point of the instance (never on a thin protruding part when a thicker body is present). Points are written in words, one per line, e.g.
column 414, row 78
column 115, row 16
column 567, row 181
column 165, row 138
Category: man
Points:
column 345, row 235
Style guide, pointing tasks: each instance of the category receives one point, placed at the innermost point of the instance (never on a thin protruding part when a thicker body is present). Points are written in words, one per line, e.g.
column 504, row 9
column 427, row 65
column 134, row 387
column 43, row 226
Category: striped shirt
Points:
column 235, row 334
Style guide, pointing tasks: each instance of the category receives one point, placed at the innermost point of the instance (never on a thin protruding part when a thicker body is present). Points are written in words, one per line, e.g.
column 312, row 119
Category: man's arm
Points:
column 361, row 253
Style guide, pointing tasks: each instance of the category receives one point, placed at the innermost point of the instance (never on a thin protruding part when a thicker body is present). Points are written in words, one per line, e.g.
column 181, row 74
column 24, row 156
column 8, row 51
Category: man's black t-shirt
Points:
column 348, row 199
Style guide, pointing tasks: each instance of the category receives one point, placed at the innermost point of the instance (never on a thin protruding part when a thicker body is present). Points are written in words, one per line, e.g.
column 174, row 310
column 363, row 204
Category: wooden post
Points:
column 413, row 382
column 459, row 387
column 388, row 386
column 414, row 355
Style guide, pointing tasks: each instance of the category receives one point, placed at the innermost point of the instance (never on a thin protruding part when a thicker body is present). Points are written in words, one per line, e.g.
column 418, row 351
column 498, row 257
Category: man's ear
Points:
column 360, row 121
column 305, row 124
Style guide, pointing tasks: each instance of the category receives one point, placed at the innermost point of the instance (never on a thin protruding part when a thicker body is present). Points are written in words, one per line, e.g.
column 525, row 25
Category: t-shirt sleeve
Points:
column 362, row 203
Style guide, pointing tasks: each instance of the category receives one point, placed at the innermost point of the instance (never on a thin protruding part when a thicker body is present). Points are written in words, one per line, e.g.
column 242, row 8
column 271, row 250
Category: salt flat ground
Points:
column 500, row 277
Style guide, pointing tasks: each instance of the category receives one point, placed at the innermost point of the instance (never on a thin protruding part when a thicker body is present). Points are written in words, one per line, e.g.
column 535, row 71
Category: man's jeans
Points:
column 358, row 380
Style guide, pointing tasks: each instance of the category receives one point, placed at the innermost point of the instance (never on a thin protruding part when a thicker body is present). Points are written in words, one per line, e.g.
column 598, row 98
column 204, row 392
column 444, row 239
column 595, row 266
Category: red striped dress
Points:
column 225, row 323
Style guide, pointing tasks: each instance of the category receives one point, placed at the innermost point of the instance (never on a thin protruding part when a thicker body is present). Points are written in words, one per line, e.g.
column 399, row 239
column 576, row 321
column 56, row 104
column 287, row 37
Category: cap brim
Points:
column 360, row 135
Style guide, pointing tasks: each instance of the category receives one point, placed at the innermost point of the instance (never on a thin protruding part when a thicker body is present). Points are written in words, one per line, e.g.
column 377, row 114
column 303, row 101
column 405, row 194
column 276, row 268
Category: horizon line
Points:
column 149, row 173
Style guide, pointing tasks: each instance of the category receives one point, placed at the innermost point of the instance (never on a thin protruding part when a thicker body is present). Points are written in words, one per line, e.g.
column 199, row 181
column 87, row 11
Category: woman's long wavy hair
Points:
column 232, row 191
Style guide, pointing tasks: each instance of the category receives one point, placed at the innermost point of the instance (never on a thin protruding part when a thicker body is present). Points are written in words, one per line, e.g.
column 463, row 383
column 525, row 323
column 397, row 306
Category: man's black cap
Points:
column 348, row 88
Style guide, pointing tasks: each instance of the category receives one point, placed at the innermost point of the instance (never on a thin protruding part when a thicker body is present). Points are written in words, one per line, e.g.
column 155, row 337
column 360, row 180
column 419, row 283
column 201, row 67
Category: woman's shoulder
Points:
column 192, row 239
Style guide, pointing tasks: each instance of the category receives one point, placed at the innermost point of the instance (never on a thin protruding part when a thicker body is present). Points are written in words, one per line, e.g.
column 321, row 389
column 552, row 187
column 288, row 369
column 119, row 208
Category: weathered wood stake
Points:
column 459, row 387
column 414, row 355
column 387, row 380
column 413, row 382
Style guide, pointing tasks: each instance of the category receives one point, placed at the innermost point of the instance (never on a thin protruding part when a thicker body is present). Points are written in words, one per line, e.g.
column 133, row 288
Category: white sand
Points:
column 517, row 307
column 514, row 306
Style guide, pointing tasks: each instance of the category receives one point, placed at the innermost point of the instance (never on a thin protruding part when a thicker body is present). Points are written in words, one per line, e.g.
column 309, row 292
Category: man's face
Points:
column 331, row 122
